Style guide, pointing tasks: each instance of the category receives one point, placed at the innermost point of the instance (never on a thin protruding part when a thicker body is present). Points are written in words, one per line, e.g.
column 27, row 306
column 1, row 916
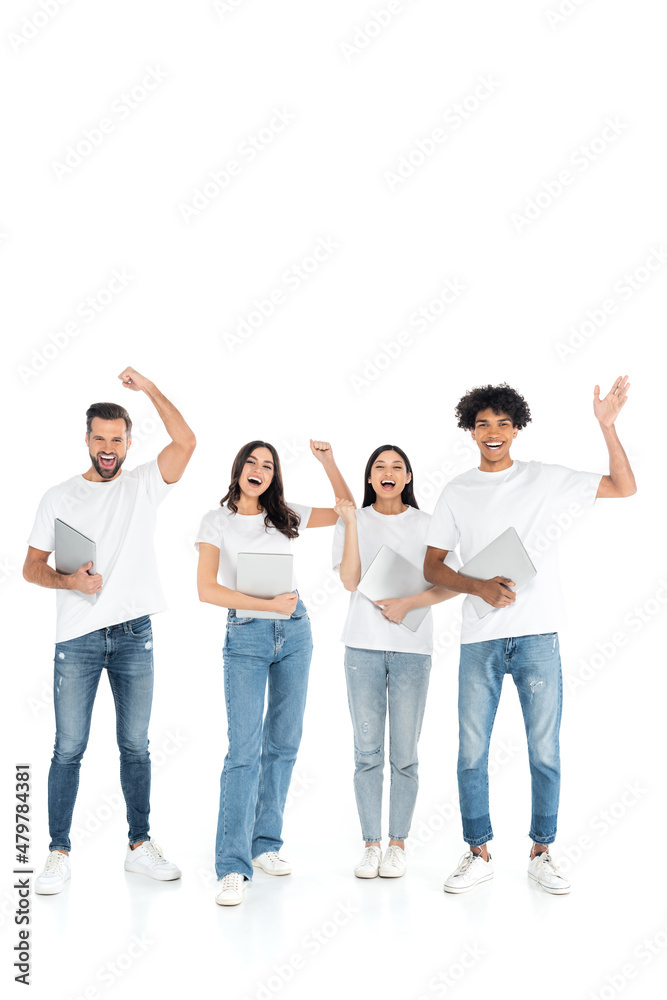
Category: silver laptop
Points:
column 504, row 556
column 390, row 575
column 265, row 575
column 74, row 550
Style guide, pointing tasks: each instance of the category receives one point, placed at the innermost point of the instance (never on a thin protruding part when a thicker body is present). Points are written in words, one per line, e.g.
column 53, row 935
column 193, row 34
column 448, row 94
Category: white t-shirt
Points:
column 365, row 626
column 119, row 516
column 233, row 533
column 538, row 501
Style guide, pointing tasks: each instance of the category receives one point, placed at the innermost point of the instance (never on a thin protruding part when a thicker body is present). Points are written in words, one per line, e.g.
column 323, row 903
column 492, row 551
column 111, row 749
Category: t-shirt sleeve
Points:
column 43, row 534
column 452, row 560
column 338, row 544
column 210, row 530
column 150, row 477
column 303, row 512
column 443, row 531
column 568, row 487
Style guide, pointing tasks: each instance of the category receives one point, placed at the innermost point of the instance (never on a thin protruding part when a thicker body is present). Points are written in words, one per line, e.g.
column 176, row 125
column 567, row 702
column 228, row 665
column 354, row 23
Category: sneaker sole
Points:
column 366, row 875
column 269, row 871
column 158, row 878
column 467, row 888
column 50, row 892
column 228, row 902
column 391, row 874
column 554, row 892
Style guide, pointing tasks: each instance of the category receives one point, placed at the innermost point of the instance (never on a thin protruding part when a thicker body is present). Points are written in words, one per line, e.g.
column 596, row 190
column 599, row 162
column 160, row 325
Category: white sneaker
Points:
column 393, row 863
column 148, row 859
column 55, row 873
column 230, row 889
column 270, row 863
column 546, row 873
column 369, row 865
column 471, row 870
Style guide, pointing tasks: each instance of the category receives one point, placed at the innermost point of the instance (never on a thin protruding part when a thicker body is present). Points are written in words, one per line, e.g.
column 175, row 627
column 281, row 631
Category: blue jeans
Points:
column 126, row 650
column 262, row 749
column 374, row 678
column 534, row 664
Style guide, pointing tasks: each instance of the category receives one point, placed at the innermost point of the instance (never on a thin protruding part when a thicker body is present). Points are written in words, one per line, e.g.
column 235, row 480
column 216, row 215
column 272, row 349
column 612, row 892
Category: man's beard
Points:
column 107, row 473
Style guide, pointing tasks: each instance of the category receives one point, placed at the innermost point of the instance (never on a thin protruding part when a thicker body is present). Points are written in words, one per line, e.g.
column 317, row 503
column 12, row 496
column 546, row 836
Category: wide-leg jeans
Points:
column 262, row 748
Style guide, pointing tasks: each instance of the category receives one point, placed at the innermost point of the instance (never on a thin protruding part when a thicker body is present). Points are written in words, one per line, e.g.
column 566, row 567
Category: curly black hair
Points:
column 499, row 398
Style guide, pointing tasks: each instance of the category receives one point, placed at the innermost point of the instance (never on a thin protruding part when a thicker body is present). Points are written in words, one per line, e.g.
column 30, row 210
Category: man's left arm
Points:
column 173, row 459
column 621, row 481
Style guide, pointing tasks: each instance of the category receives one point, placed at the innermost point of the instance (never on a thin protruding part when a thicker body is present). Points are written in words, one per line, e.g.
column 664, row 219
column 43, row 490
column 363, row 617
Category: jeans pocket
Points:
column 141, row 627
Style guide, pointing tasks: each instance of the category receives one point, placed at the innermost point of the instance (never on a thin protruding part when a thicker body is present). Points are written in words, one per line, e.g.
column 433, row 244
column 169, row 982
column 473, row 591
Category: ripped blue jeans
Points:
column 533, row 661
column 126, row 652
column 377, row 679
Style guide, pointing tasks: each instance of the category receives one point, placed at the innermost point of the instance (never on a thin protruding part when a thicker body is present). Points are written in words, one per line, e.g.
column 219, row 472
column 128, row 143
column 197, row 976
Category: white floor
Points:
column 321, row 932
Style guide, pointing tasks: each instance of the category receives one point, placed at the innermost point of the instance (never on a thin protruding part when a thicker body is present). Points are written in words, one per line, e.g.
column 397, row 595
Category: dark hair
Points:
column 499, row 398
column 107, row 411
column 278, row 513
column 408, row 494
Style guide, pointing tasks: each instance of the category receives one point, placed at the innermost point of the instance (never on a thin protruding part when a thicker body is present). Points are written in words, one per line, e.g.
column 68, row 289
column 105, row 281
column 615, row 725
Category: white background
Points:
column 359, row 97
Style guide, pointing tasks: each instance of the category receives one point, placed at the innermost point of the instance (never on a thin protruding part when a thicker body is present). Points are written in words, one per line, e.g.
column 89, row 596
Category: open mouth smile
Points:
column 254, row 480
column 387, row 485
column 105, row 461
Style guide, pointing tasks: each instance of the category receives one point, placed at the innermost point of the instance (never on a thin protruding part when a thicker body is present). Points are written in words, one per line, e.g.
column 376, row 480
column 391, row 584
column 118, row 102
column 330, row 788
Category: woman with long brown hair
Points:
column 387, row 664
column 254, row 517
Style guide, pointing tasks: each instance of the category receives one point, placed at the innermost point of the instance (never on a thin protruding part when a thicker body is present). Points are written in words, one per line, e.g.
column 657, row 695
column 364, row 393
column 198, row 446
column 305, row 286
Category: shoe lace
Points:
column 272, row 856
column 370, row 855
column 465, row 861
column 231, row 881
column 52, row 866
column 550, row 865
column 393, row 857
column 154, row 850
